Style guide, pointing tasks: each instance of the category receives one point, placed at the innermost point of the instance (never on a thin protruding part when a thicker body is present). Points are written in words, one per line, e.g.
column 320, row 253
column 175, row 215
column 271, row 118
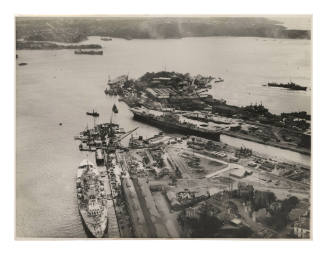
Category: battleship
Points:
column 91, row 199
column 171, row 122
column 289, row 85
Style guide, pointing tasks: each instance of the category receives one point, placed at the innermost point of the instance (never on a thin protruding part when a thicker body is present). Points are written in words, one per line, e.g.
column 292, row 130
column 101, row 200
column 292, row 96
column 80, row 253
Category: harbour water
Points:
column 58, row 86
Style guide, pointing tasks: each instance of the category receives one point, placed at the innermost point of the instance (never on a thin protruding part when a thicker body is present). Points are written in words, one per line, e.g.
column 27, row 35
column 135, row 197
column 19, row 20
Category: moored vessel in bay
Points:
column 92, row 203
column 106, row 39
column 93, row 114
column 88, row 52
column 289, row 85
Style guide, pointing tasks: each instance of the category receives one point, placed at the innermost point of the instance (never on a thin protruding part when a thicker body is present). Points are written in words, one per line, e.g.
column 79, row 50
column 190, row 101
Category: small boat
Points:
column 22, row 64
column 219, row 79
column 93, row 113
column 115, row 109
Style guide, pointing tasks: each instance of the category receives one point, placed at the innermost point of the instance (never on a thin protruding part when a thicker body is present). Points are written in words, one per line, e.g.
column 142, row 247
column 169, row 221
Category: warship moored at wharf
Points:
column 96, row 187
column 91, row 199
column 172, row 122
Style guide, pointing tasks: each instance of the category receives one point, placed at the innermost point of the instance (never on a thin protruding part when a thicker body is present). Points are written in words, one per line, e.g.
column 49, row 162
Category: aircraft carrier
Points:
column 172, row 122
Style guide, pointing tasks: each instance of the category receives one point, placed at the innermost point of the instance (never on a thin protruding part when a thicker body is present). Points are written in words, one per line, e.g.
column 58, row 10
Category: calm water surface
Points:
column 58, row 86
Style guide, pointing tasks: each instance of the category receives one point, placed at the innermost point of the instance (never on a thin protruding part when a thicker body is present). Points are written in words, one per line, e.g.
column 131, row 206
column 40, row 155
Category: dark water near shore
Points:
column 58, row 86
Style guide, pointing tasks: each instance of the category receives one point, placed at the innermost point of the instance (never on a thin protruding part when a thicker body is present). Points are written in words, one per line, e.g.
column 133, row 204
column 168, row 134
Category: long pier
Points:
column 113, row 228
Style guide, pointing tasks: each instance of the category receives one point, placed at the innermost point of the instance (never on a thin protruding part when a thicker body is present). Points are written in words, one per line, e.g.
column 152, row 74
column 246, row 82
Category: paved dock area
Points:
column 113, row 228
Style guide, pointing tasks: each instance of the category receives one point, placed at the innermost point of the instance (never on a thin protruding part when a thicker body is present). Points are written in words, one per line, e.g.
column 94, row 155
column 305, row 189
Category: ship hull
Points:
column 92, row 205
column 166, row 126
column 88, row 226
column 285, row 86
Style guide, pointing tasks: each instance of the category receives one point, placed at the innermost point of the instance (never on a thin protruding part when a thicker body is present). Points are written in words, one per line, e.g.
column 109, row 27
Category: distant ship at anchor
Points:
column 289, row 85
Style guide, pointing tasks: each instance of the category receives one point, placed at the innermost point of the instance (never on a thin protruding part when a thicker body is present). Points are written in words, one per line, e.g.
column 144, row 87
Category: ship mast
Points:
column 94, row 120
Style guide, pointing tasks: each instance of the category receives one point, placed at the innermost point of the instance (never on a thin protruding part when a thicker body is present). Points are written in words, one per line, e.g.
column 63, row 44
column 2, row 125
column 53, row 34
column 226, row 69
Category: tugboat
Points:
column 91, row 199
column 93, row 113
column 115, row 109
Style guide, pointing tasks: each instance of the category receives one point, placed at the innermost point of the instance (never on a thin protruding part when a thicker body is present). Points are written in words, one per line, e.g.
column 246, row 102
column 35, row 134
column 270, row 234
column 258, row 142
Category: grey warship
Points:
column 91, row 199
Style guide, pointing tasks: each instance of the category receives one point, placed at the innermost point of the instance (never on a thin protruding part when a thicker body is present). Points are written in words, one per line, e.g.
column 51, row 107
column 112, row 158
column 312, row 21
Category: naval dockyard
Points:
column 184, row 181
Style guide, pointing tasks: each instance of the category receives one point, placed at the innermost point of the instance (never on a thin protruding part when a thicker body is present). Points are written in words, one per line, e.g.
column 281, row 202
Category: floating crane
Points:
column 127, row 134
column 115, row 142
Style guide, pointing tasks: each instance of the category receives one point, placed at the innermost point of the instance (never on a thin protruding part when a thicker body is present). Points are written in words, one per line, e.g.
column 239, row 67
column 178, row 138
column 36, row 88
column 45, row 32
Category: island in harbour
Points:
column 187, row 98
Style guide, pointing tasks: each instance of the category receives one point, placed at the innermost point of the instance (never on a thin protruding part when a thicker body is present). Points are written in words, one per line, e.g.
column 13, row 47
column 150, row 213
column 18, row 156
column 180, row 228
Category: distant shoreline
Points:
column 32, row 45
column 69, row 29
column 304, row 36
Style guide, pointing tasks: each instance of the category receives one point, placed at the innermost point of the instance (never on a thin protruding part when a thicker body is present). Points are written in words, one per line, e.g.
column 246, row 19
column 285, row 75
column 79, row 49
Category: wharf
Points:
column 301, row 150
column 113, row 229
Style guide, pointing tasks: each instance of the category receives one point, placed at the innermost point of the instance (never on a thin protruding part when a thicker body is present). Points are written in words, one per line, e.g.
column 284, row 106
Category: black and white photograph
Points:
column 163, row 127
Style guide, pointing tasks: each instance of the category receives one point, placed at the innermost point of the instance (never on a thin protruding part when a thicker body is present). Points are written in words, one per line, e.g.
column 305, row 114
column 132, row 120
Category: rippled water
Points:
column 58, row 86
